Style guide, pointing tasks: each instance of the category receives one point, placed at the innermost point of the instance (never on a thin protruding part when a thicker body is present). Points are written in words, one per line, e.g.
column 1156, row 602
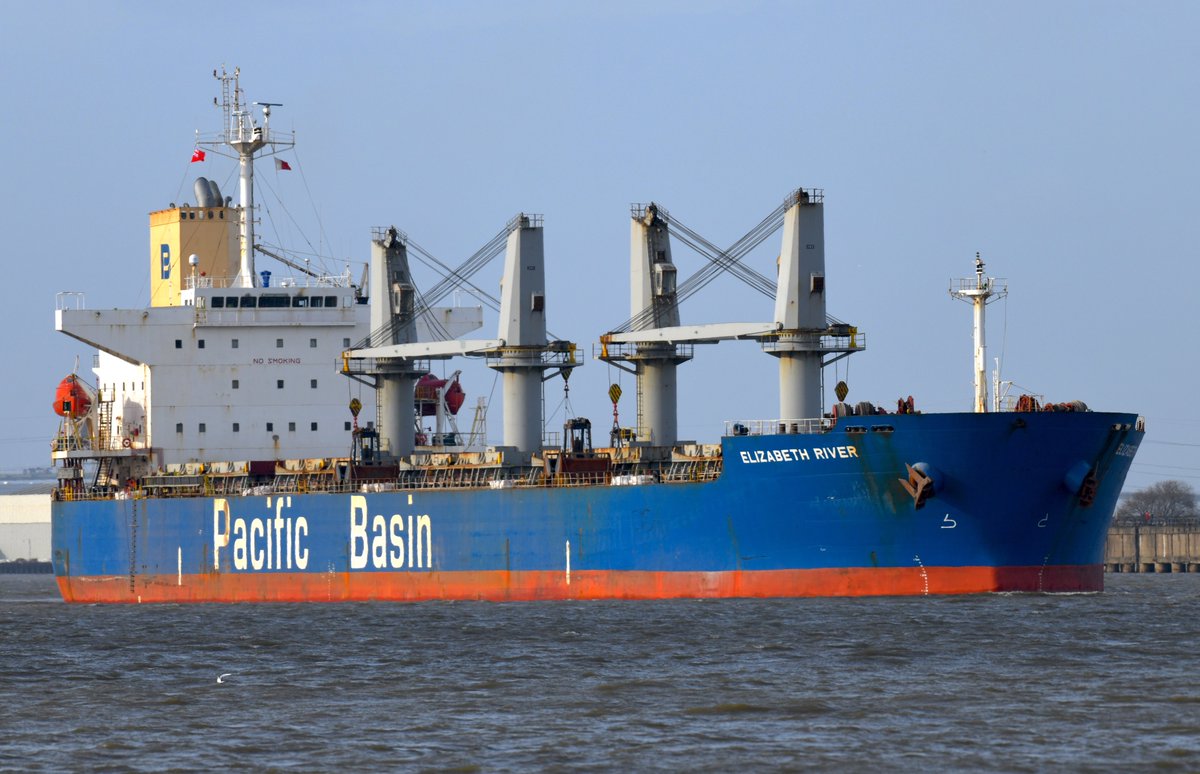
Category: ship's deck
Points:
column 341, row 475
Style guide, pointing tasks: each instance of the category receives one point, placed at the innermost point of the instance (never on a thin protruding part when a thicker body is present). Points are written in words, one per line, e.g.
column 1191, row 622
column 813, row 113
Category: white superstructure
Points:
column 227, row 364
column 232, row 374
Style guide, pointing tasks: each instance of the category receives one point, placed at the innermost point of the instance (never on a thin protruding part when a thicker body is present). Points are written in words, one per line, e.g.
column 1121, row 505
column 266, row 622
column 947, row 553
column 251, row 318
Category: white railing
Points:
column 812, row 426
column 277, row 281
column 70, row 299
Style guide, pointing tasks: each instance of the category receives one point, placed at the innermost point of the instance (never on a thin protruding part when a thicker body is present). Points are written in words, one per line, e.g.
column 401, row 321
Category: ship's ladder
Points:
column 478, row 426
column 104, row 413
column 104, row 472
column 641, row 419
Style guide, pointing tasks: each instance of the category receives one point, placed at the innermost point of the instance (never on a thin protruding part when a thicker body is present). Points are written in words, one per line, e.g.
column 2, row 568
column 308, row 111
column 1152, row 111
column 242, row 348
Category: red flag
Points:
column 281, row 164
column 197, row 155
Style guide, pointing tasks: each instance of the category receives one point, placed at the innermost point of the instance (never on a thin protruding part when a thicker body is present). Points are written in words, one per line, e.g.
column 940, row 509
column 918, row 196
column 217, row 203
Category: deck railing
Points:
column 810, row 426
column 182, row 485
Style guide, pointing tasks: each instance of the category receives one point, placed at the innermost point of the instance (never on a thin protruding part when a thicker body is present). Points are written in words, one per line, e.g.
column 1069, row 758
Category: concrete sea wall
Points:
column 25, row 527
column 1152, row 549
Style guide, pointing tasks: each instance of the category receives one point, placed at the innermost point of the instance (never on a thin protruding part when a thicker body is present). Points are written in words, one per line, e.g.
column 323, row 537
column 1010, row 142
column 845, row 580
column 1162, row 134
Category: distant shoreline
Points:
column 28, row 474
column 26, row 567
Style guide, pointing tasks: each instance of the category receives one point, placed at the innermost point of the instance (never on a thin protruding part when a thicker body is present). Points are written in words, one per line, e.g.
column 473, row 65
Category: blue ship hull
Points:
column 1020, row 502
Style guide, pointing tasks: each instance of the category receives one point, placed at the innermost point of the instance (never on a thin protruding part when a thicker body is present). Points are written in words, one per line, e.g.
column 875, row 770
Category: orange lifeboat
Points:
column 71, row 398
column 426, row 395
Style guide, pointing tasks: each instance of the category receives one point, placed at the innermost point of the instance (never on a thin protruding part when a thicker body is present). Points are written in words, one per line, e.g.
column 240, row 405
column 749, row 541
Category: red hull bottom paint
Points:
column 501, row 586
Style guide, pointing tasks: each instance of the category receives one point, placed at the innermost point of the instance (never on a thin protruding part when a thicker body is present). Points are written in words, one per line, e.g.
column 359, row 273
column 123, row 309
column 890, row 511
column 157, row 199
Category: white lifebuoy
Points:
column 126, row 442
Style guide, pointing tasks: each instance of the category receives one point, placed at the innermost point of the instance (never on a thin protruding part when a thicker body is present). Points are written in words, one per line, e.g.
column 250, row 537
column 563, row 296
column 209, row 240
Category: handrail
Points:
column 69, row 299
column 810, row 426
column 183, row 485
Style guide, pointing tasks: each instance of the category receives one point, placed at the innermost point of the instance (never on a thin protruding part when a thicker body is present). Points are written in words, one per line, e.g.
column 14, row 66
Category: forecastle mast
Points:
column 979, row 292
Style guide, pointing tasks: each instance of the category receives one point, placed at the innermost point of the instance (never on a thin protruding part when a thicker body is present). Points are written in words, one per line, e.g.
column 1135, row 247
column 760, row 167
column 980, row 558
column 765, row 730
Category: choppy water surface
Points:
column 1014, row 683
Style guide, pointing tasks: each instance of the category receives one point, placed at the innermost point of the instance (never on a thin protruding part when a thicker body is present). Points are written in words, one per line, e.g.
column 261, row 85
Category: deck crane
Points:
column 394, row 357
column 801, row 334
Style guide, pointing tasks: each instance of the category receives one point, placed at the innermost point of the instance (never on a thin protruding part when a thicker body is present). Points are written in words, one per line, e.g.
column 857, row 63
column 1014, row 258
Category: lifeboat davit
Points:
column 427, row 394
column 71, row 398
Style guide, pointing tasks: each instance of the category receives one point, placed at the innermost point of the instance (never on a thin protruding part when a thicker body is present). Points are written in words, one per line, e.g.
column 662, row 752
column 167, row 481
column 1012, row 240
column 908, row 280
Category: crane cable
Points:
column 719, row 261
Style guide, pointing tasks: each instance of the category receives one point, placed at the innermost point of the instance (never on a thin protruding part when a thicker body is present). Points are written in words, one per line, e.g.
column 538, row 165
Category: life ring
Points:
column 126, row 442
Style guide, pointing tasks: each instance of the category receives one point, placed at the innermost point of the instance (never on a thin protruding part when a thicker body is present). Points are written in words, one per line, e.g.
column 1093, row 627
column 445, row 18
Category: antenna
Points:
column 266, row 107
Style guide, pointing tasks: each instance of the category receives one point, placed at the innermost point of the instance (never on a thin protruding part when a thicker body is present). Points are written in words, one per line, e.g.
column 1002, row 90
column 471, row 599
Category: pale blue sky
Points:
column 1057, row 138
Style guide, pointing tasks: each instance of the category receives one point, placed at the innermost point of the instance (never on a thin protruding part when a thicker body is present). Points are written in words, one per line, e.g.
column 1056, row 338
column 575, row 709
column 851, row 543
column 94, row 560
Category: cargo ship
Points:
column 216, row 459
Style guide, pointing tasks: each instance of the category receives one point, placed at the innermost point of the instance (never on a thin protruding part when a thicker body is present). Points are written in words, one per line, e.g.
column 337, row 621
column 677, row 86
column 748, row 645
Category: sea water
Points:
column 1014, row 682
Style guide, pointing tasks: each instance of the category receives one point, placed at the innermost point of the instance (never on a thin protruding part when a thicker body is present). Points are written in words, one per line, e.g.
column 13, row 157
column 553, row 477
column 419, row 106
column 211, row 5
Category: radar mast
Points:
column 246, row 138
